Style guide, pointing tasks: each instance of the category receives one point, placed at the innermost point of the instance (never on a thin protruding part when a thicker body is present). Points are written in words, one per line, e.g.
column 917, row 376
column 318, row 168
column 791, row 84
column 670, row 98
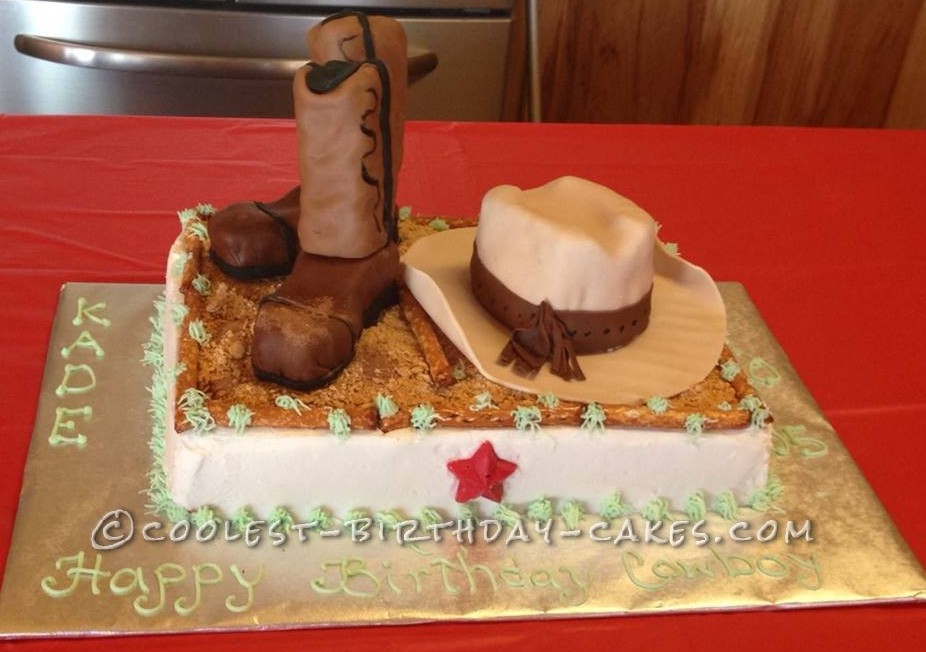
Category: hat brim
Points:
column 678, row 349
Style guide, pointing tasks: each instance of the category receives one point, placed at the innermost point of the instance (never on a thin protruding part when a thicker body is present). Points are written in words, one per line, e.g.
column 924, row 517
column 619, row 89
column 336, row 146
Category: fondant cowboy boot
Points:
column 252, row 240
column 305, row 333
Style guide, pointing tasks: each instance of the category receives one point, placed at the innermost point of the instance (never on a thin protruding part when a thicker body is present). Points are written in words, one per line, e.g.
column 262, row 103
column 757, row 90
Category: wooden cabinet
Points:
column 853, row 63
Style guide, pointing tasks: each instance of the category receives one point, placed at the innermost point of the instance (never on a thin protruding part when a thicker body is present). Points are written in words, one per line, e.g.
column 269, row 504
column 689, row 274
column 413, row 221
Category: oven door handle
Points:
column 92, row 55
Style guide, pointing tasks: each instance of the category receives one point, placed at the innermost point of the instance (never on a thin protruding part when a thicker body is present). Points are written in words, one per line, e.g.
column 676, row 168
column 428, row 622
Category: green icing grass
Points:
column 657, row 404
column 694, row 425
column 197, row 331
column 389, row 518
column 540, row 509
column 729, row 370
column 198, row 229
column 287, row 402
column 205, row 209
column 431, row 516
column 339, row 423
column 725, row 505
column 548, row 400
column 423, row 417
column 481, row 402
column 202, row 515
column 614, row 506
column 695, row 505
column 202, row 284
column 186, row 216
column 527, row 417
column 593, row 417
column 572, row 512
column 385, row 406
column 282, row 518
column 241, row 519
column 193, row 405
column 239, row 417
column 506, row 515
column 657, row 509
column 159, row 499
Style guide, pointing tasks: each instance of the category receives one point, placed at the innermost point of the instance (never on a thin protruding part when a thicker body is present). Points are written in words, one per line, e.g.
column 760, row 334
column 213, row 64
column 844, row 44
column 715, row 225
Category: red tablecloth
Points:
column 825, row 228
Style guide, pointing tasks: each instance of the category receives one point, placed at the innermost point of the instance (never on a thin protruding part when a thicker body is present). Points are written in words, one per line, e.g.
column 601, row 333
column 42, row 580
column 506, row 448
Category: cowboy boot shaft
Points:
column 344, row 159
column 352, row 36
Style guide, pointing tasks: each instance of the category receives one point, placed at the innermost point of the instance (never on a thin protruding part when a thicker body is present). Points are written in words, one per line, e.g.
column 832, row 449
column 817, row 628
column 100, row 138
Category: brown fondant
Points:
column 545, row 338
column 305, row 332
column 255, row 239
column 590, row 331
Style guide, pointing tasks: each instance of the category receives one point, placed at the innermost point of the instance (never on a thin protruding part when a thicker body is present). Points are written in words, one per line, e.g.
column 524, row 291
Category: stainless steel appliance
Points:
column 228, row 57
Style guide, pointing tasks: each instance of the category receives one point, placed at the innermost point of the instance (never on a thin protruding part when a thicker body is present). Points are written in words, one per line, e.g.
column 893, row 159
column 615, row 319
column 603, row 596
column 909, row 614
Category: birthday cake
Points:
column 327, row 355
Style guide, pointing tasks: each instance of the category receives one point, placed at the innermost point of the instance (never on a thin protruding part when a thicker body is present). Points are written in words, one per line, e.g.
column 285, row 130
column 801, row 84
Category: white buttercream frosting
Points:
column 572, row 242
column 405, row 470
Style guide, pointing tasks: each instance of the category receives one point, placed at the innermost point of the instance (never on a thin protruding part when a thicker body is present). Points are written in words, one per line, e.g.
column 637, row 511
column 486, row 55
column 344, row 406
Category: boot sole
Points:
column 256, row 273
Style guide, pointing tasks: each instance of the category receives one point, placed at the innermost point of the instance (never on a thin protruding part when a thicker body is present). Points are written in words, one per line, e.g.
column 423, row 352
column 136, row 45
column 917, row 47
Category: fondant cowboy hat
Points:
column 582, row 268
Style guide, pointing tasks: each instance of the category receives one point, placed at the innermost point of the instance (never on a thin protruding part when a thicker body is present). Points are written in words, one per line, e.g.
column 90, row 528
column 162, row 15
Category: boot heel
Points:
column 388, row 297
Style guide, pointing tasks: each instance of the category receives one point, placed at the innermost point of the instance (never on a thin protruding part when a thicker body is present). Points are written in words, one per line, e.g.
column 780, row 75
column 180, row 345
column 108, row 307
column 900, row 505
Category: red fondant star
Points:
column 481, row 475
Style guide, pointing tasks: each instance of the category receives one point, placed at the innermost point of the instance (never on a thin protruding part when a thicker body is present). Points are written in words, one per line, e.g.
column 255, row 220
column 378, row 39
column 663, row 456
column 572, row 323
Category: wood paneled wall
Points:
column 853, row 63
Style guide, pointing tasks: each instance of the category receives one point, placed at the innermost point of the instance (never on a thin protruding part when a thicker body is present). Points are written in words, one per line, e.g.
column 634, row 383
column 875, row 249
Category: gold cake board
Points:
column 57, row 584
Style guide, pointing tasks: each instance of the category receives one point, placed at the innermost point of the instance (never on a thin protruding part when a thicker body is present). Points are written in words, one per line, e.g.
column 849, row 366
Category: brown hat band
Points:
column 541, row 333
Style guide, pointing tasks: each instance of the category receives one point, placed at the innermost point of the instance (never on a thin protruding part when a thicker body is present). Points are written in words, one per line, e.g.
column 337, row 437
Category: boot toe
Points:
column 248, row 243
column 298, row 346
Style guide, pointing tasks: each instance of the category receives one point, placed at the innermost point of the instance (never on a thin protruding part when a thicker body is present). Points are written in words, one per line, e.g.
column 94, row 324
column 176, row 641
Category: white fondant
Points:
column 572, row 242
column 678, row 349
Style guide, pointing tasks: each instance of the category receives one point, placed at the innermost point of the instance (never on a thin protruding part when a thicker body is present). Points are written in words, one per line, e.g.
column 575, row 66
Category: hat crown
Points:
column 572, row 242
